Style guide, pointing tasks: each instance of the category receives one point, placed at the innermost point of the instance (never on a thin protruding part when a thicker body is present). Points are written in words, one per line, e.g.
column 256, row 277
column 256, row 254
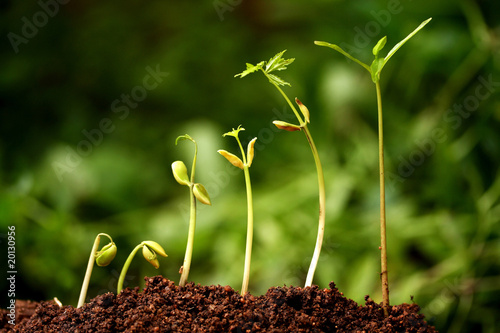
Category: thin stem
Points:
column 189, row 247
column 321, row 189
column 126, row 266
column 322, row 205
column 383, row 240
column 90, row 266
column 248, row 250
column 248, row 247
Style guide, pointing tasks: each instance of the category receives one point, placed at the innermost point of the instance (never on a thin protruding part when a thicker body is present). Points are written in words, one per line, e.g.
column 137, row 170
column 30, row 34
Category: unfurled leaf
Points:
column 250, row 151
column 180, row 173
column 250, row 69
column 234, row 132
column 233, row 159
column 156, row 247
column 286, row 126
column 106, row 255
column 380, row 45
column 303, row 109
column 150, row 256
column 201, row 194
column 277, row 63
column 340, row 50
column 277, row 80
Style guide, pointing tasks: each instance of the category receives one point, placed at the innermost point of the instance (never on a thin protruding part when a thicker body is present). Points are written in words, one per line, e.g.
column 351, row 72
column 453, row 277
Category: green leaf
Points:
column 106, row 255
column 380, row 45
column 156, row 247
column 376, row 67
column 234, row 132
column 200, row 192
column 180, row 173
column 250, row 69
column 340, row 50
column 277, row 63
column 398, row 45
column 277, row 80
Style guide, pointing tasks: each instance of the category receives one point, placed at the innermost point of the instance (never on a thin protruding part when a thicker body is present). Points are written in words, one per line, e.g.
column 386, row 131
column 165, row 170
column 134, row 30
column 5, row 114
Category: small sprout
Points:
column 303, row 109
column 102, row 258
column 286, row 126
column 200, row 192
column 180, row 173
column 150, row 249
column 106, row 255
column 244, row 165
column 196, row 192
column 233, row 159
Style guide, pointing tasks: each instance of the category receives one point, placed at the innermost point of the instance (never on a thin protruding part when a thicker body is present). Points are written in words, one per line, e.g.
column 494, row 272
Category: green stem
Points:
column 126, row 266
column 383, row 239
column 189, row 247
column 186, row 267
column 321, row 189
column 249, row 241
column 90, row 266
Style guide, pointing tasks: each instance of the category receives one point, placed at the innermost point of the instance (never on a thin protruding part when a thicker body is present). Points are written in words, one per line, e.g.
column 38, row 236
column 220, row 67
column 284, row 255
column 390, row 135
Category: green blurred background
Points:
column 67, row 69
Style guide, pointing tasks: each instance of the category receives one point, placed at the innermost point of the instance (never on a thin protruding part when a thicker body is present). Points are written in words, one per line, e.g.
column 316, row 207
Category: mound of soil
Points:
column 164, row 307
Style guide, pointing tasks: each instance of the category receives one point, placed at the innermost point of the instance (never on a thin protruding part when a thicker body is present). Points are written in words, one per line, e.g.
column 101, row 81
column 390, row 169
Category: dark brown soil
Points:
column 164, row 307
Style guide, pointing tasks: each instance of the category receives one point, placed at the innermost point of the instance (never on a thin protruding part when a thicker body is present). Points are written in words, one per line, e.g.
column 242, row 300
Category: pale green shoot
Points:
column 244, row 163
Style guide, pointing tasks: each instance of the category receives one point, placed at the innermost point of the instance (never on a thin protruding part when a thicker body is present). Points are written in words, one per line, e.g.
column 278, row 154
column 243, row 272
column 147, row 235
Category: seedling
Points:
column 244, row 163
column 150, row 250
column 102, row 258
column 375, row 69
column 196, row 191
column 277, row 63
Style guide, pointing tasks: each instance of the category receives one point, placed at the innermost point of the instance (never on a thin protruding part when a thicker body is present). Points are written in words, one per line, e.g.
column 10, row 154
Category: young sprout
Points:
column 374, row 69
column 277, row 63
column 244, row 164
column 102, row 258
column 196, row 191
column 149, row 250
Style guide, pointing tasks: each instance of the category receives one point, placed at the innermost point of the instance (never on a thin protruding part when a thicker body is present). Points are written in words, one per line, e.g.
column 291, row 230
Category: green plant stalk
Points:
column 90, row 266
column 321, row 188
column 383, row 235
column 192, row 226
column 121, row 279
column 249, row 241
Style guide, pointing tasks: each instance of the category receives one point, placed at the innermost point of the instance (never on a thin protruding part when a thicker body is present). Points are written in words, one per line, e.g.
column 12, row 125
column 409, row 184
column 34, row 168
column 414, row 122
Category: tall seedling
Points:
column 374, row 69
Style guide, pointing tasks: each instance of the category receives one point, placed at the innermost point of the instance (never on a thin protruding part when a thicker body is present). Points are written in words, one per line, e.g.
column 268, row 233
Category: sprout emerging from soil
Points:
column 196, row 191
column 102, row 258
column 244, row 163
column 374, row 69
column 150, row 249
column 277, row 63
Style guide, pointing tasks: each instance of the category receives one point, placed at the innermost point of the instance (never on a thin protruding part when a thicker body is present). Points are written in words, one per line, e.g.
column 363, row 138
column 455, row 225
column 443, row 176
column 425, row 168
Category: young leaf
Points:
column 180, row 173
column 250, row 69
column 286, row 126
column 398, row 45
column 234, row 132
column 277, row 80
column 340, row 50
column 201, row 194
column 184, row 137
column 233, row 159
column 150, row 256
column 303, row 109
column 376, row 67
column 380, row 45
column 250, row 151
column 277, row 63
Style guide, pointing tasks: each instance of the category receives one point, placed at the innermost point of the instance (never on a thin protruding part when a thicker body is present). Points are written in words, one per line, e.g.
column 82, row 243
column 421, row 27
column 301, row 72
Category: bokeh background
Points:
column 87, row 138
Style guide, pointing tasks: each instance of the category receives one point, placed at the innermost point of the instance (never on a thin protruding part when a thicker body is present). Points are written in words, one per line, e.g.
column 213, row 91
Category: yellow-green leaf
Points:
column 201, row 194
column 180, row 173
column 156, row 247
column 233, row 159
column 150, row 256
column 250, row 151
column 286, row 126
column 106, row 255
column 303, row 109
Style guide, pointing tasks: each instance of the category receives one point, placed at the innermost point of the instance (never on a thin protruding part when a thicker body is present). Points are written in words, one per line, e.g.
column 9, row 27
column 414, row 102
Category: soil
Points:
column 164, row 307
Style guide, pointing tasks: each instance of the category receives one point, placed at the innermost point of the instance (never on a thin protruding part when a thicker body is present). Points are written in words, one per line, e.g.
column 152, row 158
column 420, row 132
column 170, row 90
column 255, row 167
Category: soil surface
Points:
column 164, row 307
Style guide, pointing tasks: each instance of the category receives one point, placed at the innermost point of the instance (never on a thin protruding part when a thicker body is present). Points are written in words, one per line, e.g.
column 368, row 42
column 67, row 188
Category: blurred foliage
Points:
column 442, row 136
